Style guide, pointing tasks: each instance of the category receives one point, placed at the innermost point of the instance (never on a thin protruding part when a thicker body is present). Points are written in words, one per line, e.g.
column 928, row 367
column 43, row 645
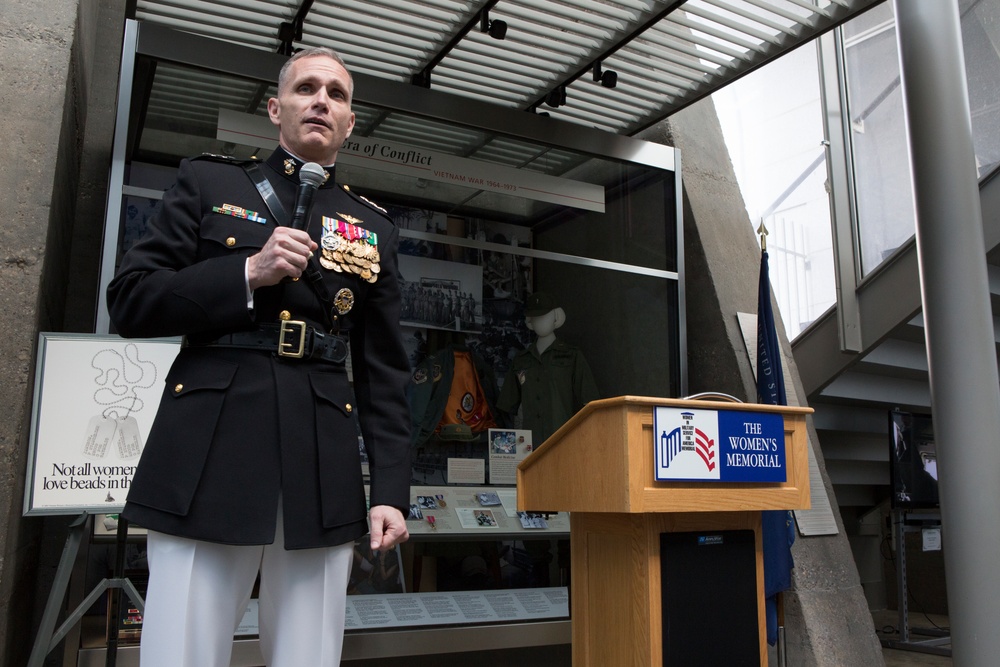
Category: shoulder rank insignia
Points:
column 367, row 202
column 215, row 157
column 373, row 204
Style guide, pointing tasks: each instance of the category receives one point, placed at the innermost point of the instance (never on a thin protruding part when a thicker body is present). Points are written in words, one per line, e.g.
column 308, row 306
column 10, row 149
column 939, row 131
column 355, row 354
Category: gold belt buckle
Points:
column 287, row 346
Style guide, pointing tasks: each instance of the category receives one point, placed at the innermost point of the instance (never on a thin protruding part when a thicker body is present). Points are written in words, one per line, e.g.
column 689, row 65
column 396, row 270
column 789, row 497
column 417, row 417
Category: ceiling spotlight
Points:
column 495, row 29
column 557, row 97
column 608, row 79
column 422, row 78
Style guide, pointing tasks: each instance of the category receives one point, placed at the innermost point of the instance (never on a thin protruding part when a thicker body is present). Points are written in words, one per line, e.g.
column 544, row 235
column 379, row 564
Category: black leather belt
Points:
column 290, row 338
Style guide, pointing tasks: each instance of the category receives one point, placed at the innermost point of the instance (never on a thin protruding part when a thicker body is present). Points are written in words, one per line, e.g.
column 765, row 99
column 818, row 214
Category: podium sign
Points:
column 718, row 445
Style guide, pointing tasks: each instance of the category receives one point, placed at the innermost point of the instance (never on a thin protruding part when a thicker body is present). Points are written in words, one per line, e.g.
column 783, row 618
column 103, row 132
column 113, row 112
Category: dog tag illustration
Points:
column 128, row 439
column 100, row 430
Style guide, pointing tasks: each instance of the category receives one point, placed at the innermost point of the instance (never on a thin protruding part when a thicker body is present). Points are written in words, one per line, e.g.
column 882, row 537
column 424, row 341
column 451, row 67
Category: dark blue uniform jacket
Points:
column 236, row 428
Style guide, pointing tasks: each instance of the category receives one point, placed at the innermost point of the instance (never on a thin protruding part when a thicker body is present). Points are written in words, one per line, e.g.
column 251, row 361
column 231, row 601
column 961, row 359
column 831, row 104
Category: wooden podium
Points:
column 600, row 466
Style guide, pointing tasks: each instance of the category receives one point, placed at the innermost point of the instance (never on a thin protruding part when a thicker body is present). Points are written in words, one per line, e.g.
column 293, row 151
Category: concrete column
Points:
column 961, row 350
column 36, row 166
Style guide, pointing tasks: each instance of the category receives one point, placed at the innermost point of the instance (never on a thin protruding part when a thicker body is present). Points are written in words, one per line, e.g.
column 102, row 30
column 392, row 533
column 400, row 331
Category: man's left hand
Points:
column 388, row 527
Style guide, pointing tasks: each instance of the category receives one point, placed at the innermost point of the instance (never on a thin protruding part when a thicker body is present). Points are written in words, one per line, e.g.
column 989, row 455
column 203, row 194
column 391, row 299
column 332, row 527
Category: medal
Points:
column 349, row 248
column 344, row 301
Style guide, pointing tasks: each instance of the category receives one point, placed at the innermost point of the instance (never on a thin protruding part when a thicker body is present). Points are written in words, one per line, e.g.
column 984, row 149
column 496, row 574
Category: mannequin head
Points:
column 543, row 316
column 546, row 324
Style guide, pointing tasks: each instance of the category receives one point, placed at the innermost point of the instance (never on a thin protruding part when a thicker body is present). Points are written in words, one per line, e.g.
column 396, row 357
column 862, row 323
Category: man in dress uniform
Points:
column 252, row 462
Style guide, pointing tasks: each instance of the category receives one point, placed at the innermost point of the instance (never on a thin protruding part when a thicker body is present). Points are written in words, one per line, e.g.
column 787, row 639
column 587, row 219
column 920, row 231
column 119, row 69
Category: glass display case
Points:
column 494, row 208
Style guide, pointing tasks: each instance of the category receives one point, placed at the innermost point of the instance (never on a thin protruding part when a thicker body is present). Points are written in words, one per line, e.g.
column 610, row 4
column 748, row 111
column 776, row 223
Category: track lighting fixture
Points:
column 608, row 79
column 422, row 78
column 288, row 32
column 495, row 29
column 557, row 97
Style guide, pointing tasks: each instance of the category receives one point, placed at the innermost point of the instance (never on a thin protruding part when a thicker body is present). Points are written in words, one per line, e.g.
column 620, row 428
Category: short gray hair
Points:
column 309, row 52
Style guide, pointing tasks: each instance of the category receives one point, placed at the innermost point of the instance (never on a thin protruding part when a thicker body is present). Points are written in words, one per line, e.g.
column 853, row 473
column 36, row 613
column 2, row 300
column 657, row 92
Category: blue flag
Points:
column 777, row 529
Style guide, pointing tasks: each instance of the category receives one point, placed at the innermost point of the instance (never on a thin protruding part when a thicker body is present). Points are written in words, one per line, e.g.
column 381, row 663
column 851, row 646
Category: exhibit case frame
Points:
column 508, row 202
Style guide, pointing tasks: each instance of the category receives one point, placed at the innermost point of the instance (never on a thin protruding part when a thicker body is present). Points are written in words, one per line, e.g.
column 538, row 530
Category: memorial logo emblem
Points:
column 690, row 449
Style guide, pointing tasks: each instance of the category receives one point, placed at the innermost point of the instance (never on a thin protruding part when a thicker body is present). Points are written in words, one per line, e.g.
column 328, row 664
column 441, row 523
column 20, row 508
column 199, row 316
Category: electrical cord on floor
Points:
column 924, row 613
column 888, row 555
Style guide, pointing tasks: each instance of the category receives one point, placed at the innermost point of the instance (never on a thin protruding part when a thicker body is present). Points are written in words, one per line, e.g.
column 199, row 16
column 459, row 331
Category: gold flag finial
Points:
column 762, row 231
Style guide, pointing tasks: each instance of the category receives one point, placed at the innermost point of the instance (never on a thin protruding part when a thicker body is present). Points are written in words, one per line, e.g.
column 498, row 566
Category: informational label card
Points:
column 930, row 539
column 508, row 447
column 718, row 445
column 466, row 471
column 365, row 612
column 95, row 399
column 393, row 611
column 250, row 623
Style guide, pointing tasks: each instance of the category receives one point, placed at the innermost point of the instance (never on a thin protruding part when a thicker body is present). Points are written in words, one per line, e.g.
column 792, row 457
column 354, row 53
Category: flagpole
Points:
column 777, row 529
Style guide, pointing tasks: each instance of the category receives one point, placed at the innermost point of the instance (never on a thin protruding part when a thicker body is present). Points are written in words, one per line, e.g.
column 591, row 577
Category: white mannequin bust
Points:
column 545, row 327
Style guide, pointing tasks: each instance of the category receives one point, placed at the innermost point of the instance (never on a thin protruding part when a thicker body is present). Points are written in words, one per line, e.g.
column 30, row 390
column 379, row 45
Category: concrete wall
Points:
column 37, row 124
column 826, row 615
column 52, row 55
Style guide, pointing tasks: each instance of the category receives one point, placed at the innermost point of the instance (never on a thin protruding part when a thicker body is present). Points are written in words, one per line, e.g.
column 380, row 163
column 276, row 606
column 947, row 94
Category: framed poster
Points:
column 95, row 399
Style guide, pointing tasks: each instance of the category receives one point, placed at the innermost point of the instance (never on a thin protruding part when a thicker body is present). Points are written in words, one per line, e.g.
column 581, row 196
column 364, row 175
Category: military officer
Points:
column 252, row 462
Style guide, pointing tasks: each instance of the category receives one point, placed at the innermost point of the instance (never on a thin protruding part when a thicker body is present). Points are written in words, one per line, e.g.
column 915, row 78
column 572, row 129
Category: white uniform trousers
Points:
column 198, row 593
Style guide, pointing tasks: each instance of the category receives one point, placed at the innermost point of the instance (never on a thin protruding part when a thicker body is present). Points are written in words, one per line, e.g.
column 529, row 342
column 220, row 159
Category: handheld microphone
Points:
column 311, row 176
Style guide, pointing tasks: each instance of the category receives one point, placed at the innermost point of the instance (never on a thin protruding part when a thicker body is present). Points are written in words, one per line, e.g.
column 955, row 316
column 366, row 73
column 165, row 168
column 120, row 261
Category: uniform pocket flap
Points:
column 234, row 233
column 191, row 373
column 332, row 388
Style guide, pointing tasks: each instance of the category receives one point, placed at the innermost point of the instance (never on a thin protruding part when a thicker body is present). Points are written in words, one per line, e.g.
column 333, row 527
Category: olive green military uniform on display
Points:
column 550, row 387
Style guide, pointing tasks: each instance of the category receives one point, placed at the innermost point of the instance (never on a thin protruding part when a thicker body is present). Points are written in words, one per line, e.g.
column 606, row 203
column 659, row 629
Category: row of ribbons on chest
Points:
column 347, row 248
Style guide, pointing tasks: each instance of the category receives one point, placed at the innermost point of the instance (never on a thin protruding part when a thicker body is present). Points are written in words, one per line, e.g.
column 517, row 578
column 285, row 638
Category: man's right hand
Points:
column 285, row 254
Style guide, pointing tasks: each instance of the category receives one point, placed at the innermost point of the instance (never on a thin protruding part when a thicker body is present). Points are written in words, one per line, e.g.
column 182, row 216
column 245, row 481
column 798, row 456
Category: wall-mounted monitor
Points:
column 912, row 461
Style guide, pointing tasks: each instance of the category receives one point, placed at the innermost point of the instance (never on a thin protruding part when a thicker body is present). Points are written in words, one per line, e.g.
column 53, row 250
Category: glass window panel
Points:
column 772, row 123
column 553, row 247
column 881, row 155
column 981, row 37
